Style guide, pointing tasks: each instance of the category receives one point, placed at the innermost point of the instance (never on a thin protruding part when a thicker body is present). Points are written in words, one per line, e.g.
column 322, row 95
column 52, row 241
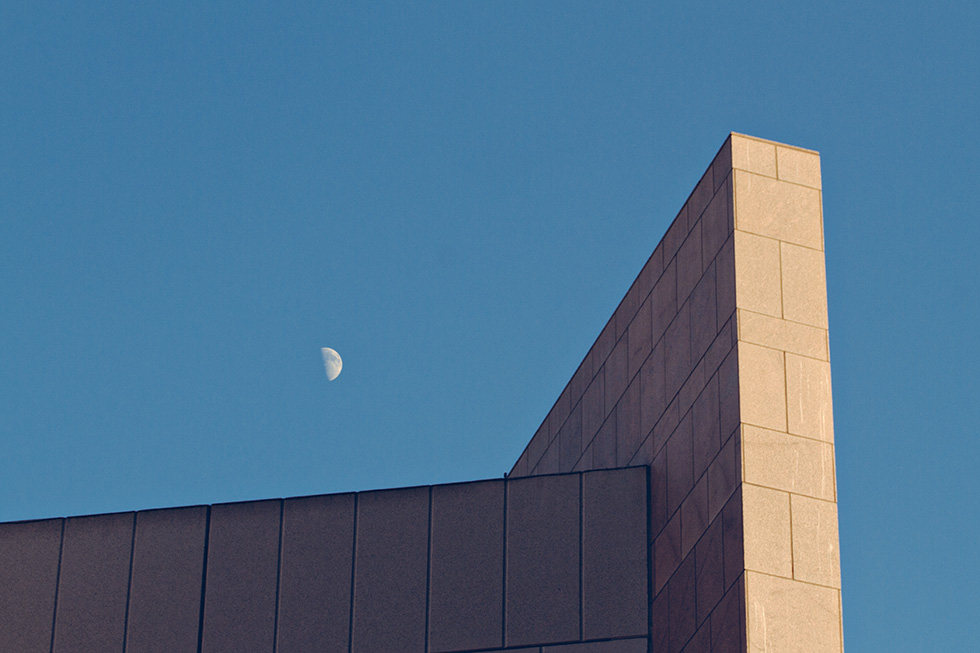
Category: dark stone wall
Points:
column 555, row 563
column 660, row 387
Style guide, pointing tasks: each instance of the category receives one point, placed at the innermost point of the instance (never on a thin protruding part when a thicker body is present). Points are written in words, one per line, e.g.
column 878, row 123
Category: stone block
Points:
column 727, row 621
column 616, row 376
column 710, row 570
column 691, row 388
column 466, row 566
column 659, row 620
column 644, row 454
column 723, row 475
column 559, row 412
column 391, row 569
column 762, row 386
column 777, row 209
column 638, row 337
column 791, row 617
column 29, row 556
column 689, row 265
column 165, row 582
column 667, row 553
column 804, row 285
column 570, row 440
column 725, row 278
column 543, row 561
column 629, row 433
column 604, row 446
column 652, row 389
column 716, row 224
column 808, row 398
column 816, row 549
column 701, row 642
column 549, row 461
column 93, row 583
column 614, row 554
column 628, row 307
column 700, row 197
column 677, row 355
column 694, row 516
column 681, row 605
column 585, row 462
column 315, row 573
column 757, row 275
column 604, row 343
column 732, row 538
column 728, row 394
column 704, row 316
column 658, row 493
column 592, row 407
column 798, row 166
column 680, row 463
column 766, row 523
column 753, row 155
column 666, row 426
column 789, row 336
column 676, row 233
column 720, row 346
column 722, row 164
column 663, row 302
column 787, row 462
column 707, row 437
column 538, row 445
column 580, row 380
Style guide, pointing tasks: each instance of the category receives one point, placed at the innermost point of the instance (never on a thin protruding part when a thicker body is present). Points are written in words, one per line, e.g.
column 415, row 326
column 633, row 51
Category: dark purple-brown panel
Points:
column 165, row 595
column 466, row 566
column 29, row 554
column 94, row 581
column 614, row 553
column 543, row 537
column 242, row 567
column 635, row 645
column 315, row 576
column 390, row 563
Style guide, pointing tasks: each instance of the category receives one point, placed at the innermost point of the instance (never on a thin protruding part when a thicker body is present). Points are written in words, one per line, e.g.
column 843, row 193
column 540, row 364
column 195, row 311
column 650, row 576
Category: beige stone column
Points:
column 789, row 494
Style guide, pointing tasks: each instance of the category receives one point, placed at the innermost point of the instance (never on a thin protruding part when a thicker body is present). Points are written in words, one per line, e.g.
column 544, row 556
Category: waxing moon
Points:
column 332, row 363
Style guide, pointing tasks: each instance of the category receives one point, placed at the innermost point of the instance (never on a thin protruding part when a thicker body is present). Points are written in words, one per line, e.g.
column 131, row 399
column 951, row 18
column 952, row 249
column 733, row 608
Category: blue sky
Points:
column 455, row 196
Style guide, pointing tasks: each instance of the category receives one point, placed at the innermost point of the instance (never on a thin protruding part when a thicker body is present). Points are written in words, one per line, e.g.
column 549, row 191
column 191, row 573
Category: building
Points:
column 680, row 495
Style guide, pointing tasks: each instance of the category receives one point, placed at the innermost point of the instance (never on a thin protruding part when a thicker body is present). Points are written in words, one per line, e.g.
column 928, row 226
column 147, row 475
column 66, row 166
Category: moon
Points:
column 332, row 363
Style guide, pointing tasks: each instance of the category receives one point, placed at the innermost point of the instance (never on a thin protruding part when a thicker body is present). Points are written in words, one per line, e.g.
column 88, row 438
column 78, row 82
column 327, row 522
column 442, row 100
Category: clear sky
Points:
column 195, row 198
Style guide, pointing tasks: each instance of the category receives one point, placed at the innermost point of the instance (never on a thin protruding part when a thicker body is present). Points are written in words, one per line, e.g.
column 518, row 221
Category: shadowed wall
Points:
column 553, row 561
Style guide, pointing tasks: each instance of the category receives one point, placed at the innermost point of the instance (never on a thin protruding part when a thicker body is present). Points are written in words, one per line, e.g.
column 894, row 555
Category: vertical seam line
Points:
column 503, row 569
column 647, row 543
column 581, row 559
column 428, row 571
column 129, row 583
column 204, row 580
column 275, row 621
column 353, row 569
column 57, row 582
